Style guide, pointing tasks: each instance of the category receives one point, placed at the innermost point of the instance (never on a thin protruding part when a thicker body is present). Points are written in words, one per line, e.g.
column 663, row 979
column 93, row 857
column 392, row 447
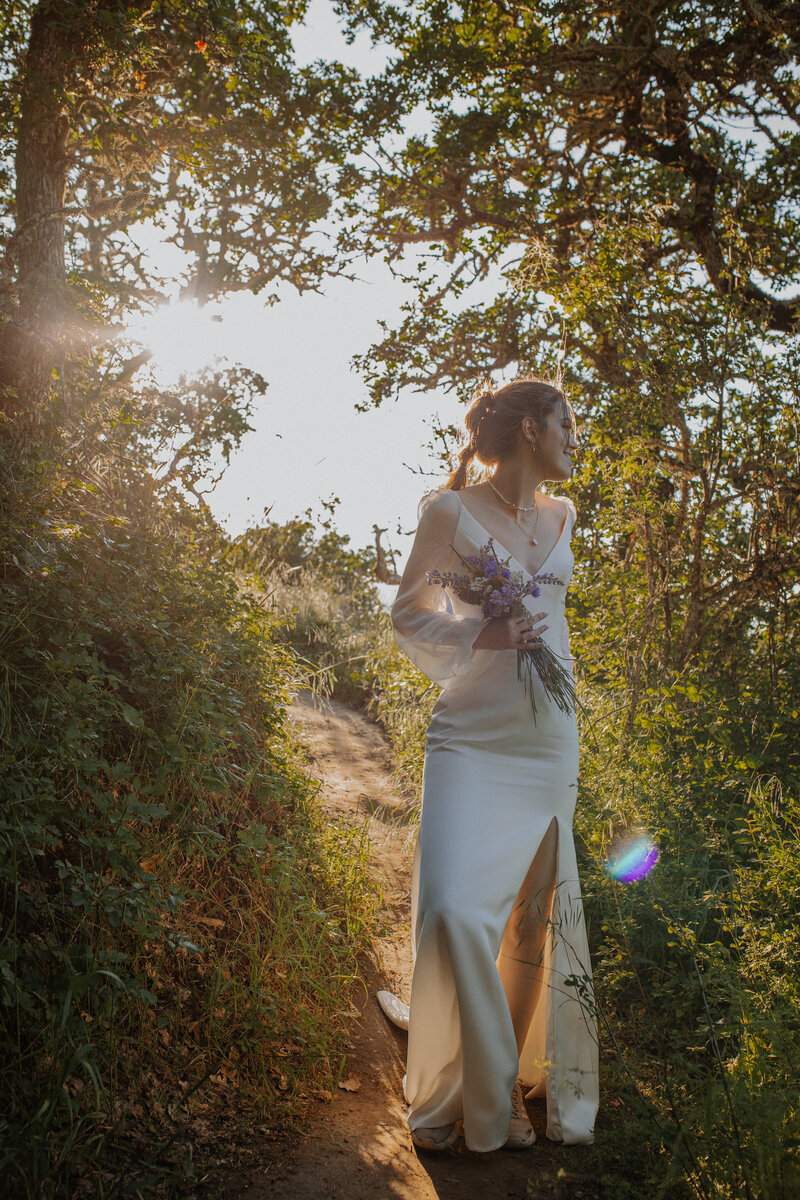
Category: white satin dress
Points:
column 496, row 789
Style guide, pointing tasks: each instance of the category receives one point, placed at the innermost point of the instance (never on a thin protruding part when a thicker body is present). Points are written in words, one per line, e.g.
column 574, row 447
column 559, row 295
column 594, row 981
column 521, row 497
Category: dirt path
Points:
column 358, row 1147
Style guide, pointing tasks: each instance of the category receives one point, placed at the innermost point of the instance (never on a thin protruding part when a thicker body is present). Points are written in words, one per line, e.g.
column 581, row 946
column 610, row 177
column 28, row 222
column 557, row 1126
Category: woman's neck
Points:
column 518, row 481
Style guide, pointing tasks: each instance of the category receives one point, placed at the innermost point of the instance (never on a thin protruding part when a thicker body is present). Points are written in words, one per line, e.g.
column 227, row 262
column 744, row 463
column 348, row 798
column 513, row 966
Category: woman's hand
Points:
column 510, row 633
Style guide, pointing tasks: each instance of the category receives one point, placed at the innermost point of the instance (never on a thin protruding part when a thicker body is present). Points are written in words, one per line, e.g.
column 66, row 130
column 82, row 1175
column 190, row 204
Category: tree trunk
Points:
column 635, row 675
column 690, row 636
column 32, row 338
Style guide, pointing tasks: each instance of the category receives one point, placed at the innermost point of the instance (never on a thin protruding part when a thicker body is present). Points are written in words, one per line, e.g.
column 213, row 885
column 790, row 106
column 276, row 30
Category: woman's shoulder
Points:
column 440, row 502
column 572, row 512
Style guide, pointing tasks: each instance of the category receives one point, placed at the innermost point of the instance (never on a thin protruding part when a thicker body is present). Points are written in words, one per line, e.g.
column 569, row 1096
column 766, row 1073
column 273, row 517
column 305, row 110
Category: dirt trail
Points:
column 358, row 1147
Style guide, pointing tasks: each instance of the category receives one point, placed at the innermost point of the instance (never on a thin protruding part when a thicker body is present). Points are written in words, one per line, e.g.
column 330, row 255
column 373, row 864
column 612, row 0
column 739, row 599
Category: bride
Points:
column 501, row 997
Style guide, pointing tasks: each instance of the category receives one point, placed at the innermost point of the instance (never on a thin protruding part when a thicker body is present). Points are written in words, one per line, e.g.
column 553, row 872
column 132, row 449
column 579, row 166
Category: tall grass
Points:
column 342, row 635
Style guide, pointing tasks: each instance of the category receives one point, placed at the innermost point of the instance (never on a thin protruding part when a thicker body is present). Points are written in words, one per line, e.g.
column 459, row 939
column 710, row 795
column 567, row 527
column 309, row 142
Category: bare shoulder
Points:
column 562, row 502
column 478, row 496
column 472, row 489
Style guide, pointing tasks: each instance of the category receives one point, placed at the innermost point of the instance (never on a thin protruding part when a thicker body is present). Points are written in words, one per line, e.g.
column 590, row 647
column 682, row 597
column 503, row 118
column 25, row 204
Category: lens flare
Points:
column 631, row 857
column 182, row 339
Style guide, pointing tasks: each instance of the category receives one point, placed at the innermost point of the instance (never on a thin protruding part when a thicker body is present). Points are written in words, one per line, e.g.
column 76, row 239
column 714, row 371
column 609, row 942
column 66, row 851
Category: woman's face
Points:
column 556, row 443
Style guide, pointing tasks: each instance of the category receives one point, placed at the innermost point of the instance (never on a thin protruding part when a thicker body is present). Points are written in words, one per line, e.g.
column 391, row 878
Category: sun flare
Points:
column 182, row 339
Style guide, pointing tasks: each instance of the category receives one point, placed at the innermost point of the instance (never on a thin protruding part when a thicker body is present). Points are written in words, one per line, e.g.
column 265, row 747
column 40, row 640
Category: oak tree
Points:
column 610, row 192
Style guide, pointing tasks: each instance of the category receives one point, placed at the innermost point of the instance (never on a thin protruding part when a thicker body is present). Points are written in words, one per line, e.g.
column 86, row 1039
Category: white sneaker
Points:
column 440, row 1137
column 394, row 1008
column 520, row 1130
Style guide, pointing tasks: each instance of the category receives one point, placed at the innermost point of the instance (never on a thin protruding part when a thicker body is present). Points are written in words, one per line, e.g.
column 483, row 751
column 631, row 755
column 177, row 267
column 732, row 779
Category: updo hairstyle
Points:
column 494, row 420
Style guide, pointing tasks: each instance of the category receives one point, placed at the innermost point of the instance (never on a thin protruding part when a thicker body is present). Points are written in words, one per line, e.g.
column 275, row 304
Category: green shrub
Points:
column 696, row 965
column 178, row 926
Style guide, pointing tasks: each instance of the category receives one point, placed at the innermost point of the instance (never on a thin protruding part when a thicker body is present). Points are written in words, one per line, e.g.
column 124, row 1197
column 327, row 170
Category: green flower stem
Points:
column 558, row 684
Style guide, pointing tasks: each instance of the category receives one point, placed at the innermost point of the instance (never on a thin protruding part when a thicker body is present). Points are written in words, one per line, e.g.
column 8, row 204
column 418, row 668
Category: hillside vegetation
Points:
column 180, row 931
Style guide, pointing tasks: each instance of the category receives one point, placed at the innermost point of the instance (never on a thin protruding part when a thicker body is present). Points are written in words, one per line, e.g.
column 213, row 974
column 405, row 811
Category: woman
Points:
column 501, row 993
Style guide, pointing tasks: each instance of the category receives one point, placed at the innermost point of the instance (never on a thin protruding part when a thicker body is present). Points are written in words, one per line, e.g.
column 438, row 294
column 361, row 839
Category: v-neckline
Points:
column 505, row 549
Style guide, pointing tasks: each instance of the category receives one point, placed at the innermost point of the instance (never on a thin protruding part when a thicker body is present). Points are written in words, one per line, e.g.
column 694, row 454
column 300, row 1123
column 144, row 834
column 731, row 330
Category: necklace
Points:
column 519, row 508
column 510, row 503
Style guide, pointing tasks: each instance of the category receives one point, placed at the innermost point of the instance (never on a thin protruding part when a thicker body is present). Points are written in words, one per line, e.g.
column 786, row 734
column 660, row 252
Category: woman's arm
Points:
column 437, row 641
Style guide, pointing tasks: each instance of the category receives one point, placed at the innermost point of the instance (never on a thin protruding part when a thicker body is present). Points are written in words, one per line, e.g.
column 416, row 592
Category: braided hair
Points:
column 481, row 409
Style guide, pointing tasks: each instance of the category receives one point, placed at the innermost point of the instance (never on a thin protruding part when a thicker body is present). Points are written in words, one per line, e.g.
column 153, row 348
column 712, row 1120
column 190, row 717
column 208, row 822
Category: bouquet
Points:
column 490, row 583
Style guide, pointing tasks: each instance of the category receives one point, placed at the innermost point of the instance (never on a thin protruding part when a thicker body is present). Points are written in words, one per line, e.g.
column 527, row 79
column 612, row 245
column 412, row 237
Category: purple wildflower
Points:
column 490, row 583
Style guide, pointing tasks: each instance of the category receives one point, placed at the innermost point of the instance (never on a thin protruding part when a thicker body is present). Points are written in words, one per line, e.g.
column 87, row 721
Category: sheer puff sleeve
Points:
column 436, row 639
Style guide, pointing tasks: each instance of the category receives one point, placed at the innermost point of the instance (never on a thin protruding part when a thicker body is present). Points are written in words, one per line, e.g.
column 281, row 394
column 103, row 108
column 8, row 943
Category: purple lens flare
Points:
column 631, row 857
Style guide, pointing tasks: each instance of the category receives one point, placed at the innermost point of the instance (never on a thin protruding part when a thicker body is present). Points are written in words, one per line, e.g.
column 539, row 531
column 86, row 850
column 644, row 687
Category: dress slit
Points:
column 521, row 961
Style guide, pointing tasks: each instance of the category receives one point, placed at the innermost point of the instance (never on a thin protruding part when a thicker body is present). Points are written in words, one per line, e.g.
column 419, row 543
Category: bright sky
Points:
column 309, row 443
